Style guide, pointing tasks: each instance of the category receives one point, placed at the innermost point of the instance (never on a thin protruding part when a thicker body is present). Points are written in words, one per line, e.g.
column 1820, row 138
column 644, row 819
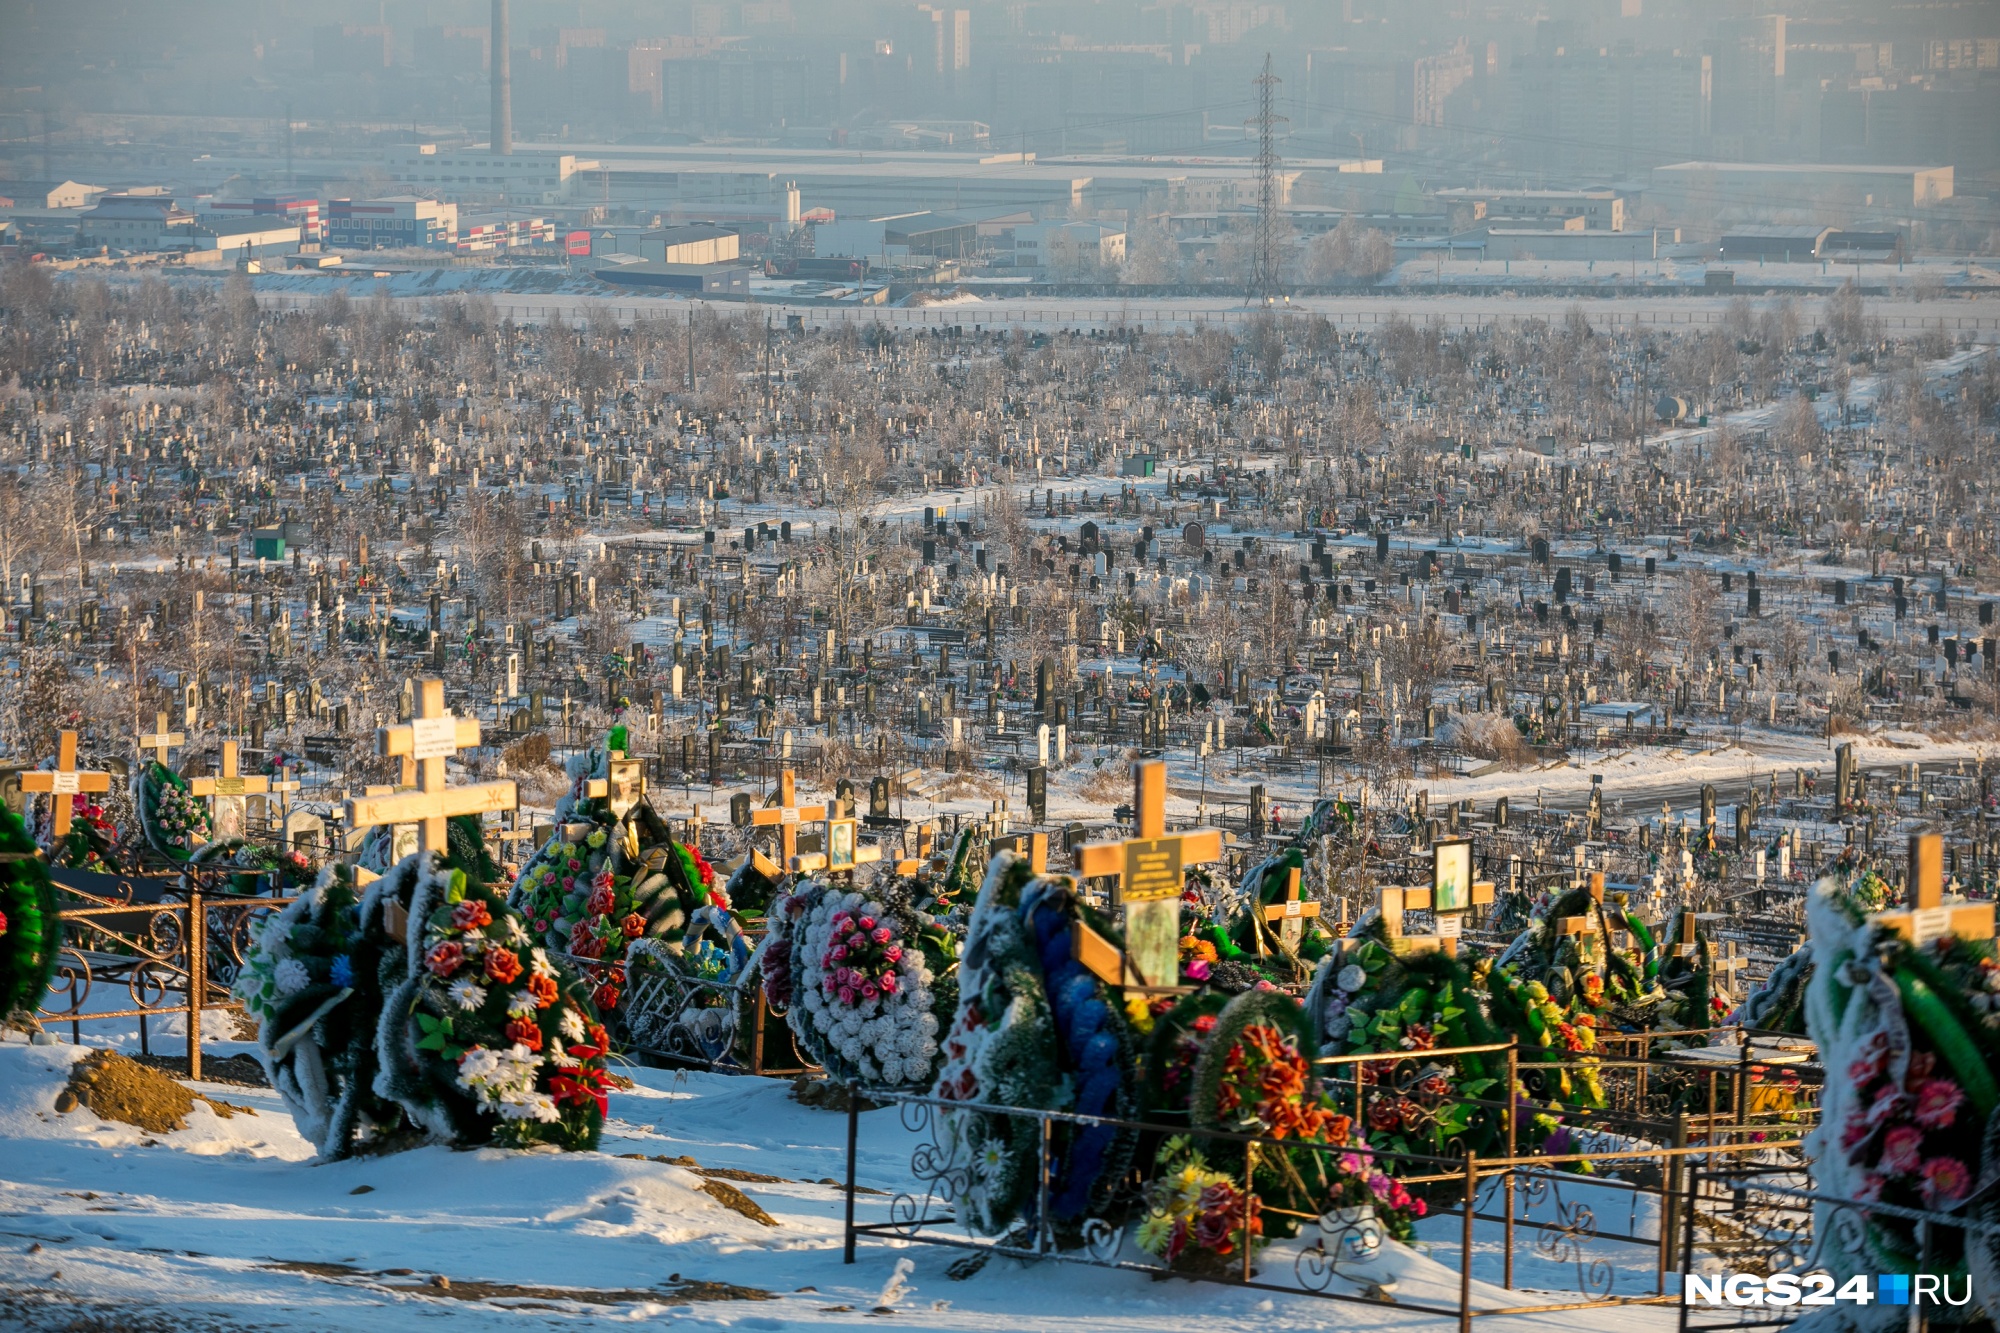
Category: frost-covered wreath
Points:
column 312, row 980
column 999, row 1051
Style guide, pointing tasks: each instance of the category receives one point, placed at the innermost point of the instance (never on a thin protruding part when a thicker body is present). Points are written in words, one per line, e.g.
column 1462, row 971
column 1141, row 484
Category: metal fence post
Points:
column 1465, row 1259
column 1513, row 1130
column 853, row 1133
column 196, row 937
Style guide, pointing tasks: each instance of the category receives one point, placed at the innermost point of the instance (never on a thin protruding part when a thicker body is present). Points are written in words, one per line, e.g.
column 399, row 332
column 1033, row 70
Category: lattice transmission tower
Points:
column 1265, row 284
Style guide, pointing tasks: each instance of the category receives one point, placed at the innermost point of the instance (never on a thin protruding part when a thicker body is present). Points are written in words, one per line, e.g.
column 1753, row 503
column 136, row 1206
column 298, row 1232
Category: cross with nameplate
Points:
column 67, row 781
column 1034, row 846
column 1929, row 916
column 230, row 782
column 1395, row 902
column 1290, row 914
column 786, row 817
column 429, row 739
column 623, row 785
column 160, row 740
column 1150, row 871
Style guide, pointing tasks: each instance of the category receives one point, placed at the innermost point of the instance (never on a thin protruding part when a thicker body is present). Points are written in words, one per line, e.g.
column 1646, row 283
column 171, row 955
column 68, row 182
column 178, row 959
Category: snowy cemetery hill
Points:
column 724, row 821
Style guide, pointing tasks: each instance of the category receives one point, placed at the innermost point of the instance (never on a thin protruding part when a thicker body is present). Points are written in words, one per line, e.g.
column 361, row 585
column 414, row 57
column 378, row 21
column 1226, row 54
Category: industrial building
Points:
column 1591, row 210
column 391, row 223
column 301, row 211
column 529, row 176
column 1725, row 186
column 134, row 222
column 1782, row 245
column 700, row 279
column 696, row 244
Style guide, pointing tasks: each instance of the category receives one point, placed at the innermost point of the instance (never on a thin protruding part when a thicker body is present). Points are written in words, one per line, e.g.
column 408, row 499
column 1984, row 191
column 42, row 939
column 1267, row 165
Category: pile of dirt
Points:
column 715, row 1184
column 113, row 1087
column 824, row 1094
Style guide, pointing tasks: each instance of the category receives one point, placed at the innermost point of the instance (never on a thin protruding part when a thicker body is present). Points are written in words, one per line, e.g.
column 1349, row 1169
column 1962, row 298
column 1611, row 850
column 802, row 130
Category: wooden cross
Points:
column 623, row 787
column 231, row 782
column 1394, row 902
column 1580, row 925
column 161, row 740
column 429, row 739
column 1149, row 870
column 1289, row 916
column 1928, row 916
column 786, row 816
column 1728, row 962
column 67, row 780
column 840, row 849
column 1034, row 846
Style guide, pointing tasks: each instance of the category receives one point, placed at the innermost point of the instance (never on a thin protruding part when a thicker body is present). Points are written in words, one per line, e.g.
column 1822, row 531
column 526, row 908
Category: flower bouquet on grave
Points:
column 172, row 818
column 30, row 925
column 1626, row 995
column 1906, row 1034
column 254, row 868
column 1266, row 884
column 92, row 841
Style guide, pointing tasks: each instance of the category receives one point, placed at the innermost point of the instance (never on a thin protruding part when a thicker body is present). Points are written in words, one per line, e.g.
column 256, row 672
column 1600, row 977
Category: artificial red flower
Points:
column 502, row 966
column 471, row 915
column 633, row 925
column 544, row 991
column 600, row 902
column 445, row 958
column 605, row 997
column 525, row 1033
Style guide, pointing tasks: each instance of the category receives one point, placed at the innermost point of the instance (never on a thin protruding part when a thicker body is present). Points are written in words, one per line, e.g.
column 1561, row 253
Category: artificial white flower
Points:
column 291, row 976
column 517, row 934
column 572, row 1024
column 467, row 993
column 1351, row 978
column 538, row 961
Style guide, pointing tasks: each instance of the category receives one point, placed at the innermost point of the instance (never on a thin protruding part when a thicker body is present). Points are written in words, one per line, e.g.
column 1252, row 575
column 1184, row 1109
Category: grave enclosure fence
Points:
column 1582, row 1236
column 145, row 948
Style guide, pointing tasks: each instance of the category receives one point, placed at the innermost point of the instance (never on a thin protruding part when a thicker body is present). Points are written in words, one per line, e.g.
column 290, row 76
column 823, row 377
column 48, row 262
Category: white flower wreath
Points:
column 880, row 1040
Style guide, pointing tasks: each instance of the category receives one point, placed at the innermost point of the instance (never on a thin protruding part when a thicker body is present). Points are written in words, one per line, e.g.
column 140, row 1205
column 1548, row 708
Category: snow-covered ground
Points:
column 230, row 1224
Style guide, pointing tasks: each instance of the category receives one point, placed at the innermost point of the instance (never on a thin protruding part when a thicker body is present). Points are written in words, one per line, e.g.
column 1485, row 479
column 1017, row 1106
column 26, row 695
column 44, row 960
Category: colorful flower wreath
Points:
column 173, row 819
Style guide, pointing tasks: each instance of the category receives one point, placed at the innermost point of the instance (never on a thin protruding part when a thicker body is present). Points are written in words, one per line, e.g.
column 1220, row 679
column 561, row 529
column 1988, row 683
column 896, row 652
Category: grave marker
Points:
column 1149, row 869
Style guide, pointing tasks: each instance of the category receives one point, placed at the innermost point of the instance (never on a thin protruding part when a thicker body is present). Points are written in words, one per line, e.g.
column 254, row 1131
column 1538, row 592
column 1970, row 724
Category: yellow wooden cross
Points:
column 1149, row 869
column 231, row 782
column 1290, row 914
column 160, row 740
column 1394, row 902
column 786, row 817
column 840, row 849
column 67, row 781
column 1034, row 846
column 1929, row 916
column 428, row 740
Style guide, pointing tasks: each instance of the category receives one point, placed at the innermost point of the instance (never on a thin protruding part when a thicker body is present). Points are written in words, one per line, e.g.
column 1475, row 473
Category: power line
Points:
column 1265, row 276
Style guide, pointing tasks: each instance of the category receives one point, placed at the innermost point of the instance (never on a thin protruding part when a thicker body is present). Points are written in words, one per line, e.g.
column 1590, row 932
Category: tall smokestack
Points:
column 503, row 83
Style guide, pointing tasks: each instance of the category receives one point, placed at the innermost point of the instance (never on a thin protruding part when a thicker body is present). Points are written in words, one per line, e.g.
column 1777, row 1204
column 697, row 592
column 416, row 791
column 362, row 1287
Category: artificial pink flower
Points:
column 1938, row 1101
column 1946, row 1180
column 1901, row 1149
column 881, row 935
